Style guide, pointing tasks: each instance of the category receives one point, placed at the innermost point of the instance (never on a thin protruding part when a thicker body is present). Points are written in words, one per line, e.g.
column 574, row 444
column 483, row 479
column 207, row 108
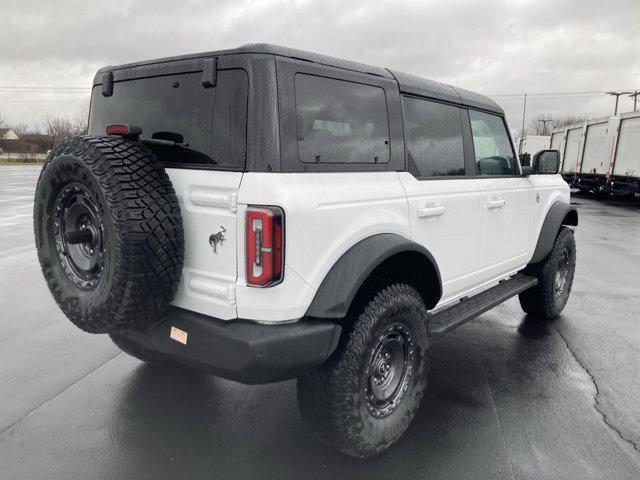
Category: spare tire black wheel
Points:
column 108, row 232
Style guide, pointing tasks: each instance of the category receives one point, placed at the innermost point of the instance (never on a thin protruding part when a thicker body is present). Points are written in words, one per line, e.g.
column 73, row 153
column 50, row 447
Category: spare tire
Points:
column 108, row 232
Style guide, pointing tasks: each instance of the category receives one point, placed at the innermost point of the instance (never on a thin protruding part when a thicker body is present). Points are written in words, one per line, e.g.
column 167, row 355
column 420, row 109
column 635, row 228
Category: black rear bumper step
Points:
column 244, row 351
column 468, row 308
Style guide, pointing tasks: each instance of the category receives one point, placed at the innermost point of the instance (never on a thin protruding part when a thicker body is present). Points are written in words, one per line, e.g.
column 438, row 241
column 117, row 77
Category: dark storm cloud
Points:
column 490, row 46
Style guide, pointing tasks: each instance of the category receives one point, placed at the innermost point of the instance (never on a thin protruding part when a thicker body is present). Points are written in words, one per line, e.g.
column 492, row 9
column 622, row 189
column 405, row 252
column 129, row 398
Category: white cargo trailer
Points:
column 599, row 142
column 557, row 142
column 601, row 155
column 572, row 151
column 625, row 170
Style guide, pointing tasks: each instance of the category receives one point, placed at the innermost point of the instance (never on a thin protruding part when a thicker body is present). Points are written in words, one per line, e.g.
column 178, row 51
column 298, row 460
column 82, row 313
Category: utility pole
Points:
column 617, row 95
column 634, row 95
column 544, row 125
column 524, row 114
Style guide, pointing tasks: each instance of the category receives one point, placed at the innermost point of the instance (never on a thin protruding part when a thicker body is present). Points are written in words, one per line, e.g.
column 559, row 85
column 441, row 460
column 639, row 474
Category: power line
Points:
column 546, row 94
column 30, row 100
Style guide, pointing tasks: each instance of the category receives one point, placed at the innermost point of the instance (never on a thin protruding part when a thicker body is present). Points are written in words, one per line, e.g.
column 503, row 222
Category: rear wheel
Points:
column 363, row 399
column 555, row 279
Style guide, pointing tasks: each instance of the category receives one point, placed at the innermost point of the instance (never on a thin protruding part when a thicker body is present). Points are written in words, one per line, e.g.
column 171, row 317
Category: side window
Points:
column 493, row 150
column 340, row 121
column 433, row 137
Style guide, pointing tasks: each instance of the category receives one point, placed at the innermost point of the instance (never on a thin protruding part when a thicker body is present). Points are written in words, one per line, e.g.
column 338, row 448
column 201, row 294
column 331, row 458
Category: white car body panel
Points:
column 507, row 206
column 208, row 203
column 453, row 233
column 327, row 213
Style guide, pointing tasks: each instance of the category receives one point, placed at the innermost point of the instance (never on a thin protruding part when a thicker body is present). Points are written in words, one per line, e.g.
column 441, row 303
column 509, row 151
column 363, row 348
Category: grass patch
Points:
column 30, row 161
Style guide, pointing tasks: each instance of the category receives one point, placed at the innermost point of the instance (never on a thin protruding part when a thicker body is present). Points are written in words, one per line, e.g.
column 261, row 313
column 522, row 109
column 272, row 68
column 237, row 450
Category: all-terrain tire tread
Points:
column 145, row 216
column 325, row 394
column 539, row 300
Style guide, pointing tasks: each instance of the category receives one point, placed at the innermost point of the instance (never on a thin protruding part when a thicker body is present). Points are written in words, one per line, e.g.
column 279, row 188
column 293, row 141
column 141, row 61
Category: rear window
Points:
column 340, row 121
column 182, row 122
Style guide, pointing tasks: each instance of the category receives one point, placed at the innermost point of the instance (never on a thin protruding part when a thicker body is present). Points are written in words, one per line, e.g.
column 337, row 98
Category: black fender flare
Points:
column 559, row 214
column 351, row 270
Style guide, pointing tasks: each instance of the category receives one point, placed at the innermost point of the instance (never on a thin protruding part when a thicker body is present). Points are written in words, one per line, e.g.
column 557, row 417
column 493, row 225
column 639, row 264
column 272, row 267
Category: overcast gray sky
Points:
column 494, row 47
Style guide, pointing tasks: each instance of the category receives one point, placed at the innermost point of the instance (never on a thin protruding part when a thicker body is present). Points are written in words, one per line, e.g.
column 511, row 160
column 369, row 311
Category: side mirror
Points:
column 546, row 162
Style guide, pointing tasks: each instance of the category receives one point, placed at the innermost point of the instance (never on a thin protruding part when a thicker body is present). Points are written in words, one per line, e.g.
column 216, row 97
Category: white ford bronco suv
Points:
column 264, row 214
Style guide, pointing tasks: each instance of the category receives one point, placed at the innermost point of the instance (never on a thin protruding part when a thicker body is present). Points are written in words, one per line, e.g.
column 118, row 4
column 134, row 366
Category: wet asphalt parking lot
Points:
column 508, row 397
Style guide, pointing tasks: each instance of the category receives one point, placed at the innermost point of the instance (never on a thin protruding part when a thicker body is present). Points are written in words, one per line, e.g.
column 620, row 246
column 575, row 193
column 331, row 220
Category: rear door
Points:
column 571, row 157
column 444, row 204
column 198, row 133
column 627, row 155
column 595, row 155
column 556, row 144
column 507, row 197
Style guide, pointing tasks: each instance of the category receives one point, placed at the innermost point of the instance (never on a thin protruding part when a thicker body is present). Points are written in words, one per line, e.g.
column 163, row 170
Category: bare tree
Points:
column 21, row 128
column 2, row 120
column 58, row 128
column 81, row 122
column 544, row 124
column 570, row 120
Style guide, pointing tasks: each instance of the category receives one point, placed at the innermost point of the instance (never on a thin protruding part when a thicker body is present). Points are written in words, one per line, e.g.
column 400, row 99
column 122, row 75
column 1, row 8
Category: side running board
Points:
column 470, row 307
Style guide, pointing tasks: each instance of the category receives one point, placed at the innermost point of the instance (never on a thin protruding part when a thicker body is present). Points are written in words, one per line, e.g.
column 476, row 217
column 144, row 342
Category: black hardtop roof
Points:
column 408, row 83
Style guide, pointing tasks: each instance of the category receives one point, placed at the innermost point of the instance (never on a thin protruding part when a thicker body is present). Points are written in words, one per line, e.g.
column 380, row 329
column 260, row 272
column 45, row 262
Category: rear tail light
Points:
column 264, row 245
column 123, row 130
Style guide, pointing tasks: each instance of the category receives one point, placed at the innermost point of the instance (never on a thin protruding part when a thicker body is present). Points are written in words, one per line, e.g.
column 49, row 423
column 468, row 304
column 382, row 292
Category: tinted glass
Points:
column 433, row 137
column 182, row 122
column 340, row 122
column 493, row 150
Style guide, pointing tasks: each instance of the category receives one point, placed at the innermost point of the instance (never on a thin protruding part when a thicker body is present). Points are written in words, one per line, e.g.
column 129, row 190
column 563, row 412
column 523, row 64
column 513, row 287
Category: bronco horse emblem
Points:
column 217, row 239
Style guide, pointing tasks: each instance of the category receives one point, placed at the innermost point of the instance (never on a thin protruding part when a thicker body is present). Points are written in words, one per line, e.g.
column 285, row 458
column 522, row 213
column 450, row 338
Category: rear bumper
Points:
column 240, row 350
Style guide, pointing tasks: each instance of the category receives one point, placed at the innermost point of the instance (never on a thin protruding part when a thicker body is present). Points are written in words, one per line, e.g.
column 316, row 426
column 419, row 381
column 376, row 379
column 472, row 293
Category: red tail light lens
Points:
column 264, row 245
column 124, row 130
column 118, row 130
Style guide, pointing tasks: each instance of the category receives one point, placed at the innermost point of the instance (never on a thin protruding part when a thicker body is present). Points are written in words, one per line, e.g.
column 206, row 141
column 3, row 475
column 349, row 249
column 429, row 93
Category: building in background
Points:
column 8, row 134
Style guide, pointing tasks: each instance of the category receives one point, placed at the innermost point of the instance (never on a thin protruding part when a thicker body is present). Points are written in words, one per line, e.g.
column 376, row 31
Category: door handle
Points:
column 431, row 211
column 496, row 203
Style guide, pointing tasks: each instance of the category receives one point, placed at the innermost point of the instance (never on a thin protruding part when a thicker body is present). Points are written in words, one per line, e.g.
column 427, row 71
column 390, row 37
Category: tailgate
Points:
column 208, row 207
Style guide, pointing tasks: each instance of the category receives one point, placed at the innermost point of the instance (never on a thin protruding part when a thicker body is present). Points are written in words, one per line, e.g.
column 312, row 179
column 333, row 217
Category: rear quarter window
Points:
column 182, row 122
column 340, row 121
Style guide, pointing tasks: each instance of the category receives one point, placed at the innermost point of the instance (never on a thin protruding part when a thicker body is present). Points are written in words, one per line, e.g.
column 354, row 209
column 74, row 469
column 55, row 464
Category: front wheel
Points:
column 363, row 399
column 555, row 279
